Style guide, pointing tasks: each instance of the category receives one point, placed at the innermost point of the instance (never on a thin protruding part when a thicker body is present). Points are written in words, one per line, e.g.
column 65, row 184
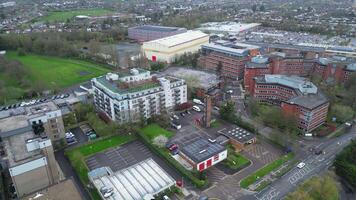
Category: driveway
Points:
column 69, row 172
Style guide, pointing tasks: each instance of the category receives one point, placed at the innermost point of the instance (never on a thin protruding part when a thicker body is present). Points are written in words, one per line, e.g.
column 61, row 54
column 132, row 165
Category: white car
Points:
column 301, row 165
column 176, row 117
column 196, row 108
column 108, row 194
column 230, row 91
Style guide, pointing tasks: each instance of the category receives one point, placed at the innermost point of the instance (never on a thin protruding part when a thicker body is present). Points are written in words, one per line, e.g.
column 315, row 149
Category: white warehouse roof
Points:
column 178, row 39
column 135, row 182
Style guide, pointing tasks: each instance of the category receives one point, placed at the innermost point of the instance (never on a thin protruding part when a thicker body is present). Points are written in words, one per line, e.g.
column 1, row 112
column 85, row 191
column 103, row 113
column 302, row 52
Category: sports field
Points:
column 62, row 16
column 52, row 72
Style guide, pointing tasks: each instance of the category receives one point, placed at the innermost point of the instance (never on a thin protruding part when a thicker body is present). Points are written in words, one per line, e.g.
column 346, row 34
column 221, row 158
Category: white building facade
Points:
column 168, row 49
column 131, row 96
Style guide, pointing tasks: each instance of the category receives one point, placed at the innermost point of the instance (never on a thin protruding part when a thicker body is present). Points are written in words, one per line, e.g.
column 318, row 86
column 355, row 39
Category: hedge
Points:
column 172, row 162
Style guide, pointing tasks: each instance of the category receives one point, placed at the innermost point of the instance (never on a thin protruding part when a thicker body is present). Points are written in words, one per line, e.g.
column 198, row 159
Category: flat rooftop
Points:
column 65, row 190
column 227, row 27
column 16, row 150
column 310, row 101
column 201, row 149
column 239, row 134
column 133, row 183
column 197, row 78
column 302, row 85
column 178, row 39
column 157, row 28
column 121, row 87
column 226, row 50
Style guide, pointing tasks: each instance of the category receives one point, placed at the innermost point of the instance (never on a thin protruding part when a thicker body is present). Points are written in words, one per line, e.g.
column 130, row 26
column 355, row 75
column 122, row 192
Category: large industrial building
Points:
column 228, row 28
column 170, row 48
column 202, row 153
column 296, row 95
column 27, row 137
column 148, row 32
column 127, row 97
column 140, row 181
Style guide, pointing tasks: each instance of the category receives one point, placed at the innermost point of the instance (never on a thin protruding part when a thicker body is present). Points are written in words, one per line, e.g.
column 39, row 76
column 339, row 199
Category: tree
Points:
column 341, row 112
column 254, row 7
column 94, row 47
column 324, row 187
column 160, row 141
column 262, row 8
column 227, row 111
column 345, row 164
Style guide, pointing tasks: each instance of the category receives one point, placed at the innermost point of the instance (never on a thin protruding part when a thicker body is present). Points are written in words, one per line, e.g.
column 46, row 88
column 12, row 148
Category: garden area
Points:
column 77, row 155
column 234, row 161
column 252, row 178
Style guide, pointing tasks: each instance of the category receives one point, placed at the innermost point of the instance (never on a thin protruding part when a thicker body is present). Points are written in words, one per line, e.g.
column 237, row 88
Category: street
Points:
column 315, row 164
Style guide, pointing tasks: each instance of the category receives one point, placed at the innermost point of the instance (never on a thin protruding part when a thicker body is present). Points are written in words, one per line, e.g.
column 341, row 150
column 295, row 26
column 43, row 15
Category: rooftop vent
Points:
column 202, row 151
column 112, row 77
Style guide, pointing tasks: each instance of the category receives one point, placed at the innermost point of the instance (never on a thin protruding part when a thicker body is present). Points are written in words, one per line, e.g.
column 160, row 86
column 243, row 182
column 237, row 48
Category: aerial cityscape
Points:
column 178, row 100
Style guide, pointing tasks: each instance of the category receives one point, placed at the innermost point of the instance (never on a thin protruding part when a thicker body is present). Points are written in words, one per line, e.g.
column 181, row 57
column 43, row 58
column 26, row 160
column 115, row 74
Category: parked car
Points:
column 106, row 189
column 175, row 151
column 165, row 197
column 176, row 125
column 230, row 91
column 301, row 165
column 108, row 194
column 198, row 101
column 173, row 147
column 71, row 140
column 92, row 136
column 182, row 114
column 176, row 117
column 188, row 112
column 69, row 135
column 196, row 108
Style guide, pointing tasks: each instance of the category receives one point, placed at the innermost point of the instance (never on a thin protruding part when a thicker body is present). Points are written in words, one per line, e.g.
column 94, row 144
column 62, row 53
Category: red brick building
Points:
column 330, row 69
column 296, row 95
column 231, row 56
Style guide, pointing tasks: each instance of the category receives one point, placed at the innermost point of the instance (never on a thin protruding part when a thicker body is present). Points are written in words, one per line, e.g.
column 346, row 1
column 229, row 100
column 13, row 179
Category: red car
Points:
column 173, row 147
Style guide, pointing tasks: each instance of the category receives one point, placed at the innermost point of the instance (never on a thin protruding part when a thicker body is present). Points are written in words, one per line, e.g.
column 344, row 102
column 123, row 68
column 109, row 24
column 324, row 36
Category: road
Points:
column 315, row 164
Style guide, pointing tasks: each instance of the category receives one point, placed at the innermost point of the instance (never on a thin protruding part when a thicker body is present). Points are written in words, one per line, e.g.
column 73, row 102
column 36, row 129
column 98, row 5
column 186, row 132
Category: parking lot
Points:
column 125, row 156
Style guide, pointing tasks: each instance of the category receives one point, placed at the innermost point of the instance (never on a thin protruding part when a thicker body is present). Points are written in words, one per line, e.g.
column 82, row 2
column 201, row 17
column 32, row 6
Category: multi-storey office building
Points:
column 27, row 135
column 127, row 97
column 296, row 96
column 148, row 32
column 48, row 115
column 230, row 56
column 337, row 69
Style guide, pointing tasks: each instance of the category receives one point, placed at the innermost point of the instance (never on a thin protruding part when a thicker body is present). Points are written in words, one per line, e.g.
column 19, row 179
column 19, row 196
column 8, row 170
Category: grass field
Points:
column 252, row 178
column 77, row 156
column 154, row 130
column 51, row 72
column 62, row 16
column 234, row 160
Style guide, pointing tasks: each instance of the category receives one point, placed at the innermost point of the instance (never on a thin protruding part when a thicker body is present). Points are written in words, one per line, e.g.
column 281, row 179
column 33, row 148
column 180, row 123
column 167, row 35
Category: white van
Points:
column 196, row 108
column 197, row 101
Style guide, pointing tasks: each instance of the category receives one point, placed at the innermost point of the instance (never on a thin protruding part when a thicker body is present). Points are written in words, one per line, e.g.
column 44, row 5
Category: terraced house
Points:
column 127, row 97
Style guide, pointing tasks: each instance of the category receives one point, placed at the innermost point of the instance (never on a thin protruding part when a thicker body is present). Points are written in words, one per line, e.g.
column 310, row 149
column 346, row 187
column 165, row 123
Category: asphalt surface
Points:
column 315, row 164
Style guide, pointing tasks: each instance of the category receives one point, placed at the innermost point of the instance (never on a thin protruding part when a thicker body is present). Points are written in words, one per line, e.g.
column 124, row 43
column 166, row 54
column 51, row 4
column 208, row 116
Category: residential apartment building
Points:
column 231, row 57
column 296, row 96
column 148, row 32
column 27, row 135
column 337, row 69
column 127, row 97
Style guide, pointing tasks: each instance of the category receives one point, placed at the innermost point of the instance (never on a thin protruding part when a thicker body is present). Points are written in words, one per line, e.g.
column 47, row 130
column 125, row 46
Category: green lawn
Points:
column 77, row 156
column 154, row 130
column 62, row 16
column 58, row 72
column 252, row 178
column 235, row 161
